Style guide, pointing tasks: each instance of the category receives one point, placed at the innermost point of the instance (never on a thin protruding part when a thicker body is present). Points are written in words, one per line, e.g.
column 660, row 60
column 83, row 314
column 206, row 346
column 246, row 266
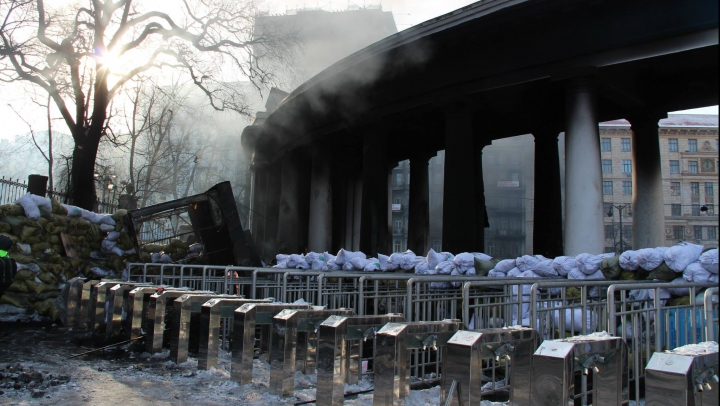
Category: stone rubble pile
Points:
column 19, row 378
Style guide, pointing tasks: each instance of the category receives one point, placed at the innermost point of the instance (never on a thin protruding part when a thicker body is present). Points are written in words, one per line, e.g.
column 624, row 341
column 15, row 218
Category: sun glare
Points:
column 109, row 60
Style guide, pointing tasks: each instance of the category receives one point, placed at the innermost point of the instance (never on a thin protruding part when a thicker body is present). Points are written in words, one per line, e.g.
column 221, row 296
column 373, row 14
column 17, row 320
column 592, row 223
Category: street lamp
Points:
column 620, row 208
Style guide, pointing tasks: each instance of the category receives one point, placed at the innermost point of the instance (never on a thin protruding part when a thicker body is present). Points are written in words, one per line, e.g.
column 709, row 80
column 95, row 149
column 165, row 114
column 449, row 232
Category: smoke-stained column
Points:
column 272, row 209
column 357, row 212
column 257, row 209
column 320, row 233
column 547, row 216
column 583, row 187
column 459, row 211
column 419, row 207
column 374, row 219
column 481, row 216
column 648, row 209
column 293, row 215
column 340, row 180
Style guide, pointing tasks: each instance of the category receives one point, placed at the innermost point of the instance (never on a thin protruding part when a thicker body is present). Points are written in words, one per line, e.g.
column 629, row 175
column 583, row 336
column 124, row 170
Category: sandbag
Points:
column 544, row 269
column 434, row 258
column 48, row 278
column 709, row 260
column 628, row 260
column 505, row 265
column 44, row 204
column 528, row 262
column 679, row 256
column 29, row 206
column 578, row 274
column 588, row 263
column 118, row 215
column 650, row 258
column 680, row 301
column 5, row 228
column 57, row 207
column 464, row 260
column 696, row 273
column 455, row 272
column 481, row 256
column 357, row 263
column 497, row 274
column 409, row 262
column 483, row 267
column 573, row 320
column 152, row 248
column 678, row 291
column 344, row 256
column 445, row 268
column 610, row 267
column 514, row 272
column 39, row 287
column 662, row 273
column 17, row 300
column 383, row 260
column 373, row 264
column 24, row 275
column 13, row 210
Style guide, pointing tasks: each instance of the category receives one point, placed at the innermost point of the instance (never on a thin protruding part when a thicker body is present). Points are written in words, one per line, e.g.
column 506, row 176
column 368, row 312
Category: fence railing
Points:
column 11, row 190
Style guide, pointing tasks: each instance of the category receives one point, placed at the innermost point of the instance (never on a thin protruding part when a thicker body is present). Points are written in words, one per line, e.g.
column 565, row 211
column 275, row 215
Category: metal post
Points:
column 682, row 380
column 73, row 300
column 184, row 306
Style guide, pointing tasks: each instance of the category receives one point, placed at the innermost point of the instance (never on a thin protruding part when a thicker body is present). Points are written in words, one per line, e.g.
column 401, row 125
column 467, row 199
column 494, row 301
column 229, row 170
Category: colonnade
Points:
column 320, row 204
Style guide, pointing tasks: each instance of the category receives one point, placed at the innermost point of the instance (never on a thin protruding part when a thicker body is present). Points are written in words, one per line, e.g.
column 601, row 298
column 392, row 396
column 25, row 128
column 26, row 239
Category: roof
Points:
column 675, row 120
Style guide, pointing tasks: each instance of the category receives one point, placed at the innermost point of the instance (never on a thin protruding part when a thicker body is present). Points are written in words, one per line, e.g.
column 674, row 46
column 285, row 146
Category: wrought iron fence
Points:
column 11, row 190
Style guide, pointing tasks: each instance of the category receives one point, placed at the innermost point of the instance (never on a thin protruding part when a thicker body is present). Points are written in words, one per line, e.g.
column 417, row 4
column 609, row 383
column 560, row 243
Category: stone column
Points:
column 257, row 208
column 648, row 208
column 340, row 180
column 547, row 216
column 481, row 216
column 374, row 219
column 583, row 185
column 419, row 205
column 293, row 216
column 320, row 232
column 357, row 212
column 272, row 209
column 459, row 214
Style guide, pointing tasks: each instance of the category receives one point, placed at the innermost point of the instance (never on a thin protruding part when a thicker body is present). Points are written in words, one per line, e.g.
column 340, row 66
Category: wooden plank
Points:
column 69, row 245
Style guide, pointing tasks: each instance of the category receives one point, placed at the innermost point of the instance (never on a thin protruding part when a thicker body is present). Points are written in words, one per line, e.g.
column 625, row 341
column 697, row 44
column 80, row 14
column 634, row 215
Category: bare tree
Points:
column 83, row 57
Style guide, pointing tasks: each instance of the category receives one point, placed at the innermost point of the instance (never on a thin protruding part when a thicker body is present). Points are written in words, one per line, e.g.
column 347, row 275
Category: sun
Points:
column 108, row 60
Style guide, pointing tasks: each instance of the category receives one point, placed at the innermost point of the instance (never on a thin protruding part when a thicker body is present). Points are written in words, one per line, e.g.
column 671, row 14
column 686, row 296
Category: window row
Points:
column 606, row 144
column 676, row 189
column 708, row 165
column 607, row 187
column 607, row 166
column 696, row 209
column 678, row 232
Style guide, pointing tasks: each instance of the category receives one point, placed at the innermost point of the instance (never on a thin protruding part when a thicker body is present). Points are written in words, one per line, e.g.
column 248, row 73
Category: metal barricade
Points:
column 340, row 290
column 339, row 359
column 509, row 349
column 158, row 310
column 246, row 319
column 268, row 282
column 497, row 302
column 382, row 293
column 648, row 323
column 710, row 302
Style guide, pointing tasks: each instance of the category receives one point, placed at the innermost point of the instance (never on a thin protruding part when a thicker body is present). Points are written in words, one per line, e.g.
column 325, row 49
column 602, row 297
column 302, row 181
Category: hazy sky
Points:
column 406, row 12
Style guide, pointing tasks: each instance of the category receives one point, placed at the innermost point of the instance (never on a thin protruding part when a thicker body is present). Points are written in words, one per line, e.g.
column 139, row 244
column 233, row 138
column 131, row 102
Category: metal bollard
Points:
column 334, row 336
column 87, row 305
column 117, row 299
column 138, row 307
column 72, row 301
column 556, row 361
column 392, row 382
column 247, row 317
column 183, row 309
column 466, row 351
column 157, row 312
column 682, row 380
column 210, row 314
column 286, row 348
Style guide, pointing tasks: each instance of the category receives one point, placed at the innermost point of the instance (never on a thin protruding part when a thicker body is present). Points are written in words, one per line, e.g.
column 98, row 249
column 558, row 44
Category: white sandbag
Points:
column 73, row 211
column 650, row 258
column 440, row 285
column 573, row 320
column 678, row 291
column 113, row 236
column 373, row 264
column 544, row 269
column 344, row 256
column 496, row 274
column 395, row 260
column 505, row 265
column 562, row 265
column 166, row 259
column 678, row 257
column 29, row 206
column 360, row 263
column 471, row 271
column 409, row 262
column 24, row 248
column 302, row 265
column 445, row 268
column 709, row 260
column 628, row 261
column 514, row 272
column 464, row 260
column 155, row 257
column 319, row 265
column 103, row 219
column 528, row 262
column 197, row 247
column 43, row 203
column 102, row 273
column 294, row 259
column 529, row 274
column 422, row 268
column 663, row 293
column 696, row 273
column 312, row 256
column 577, row 274
column 662, row 249
column 588, row 263
column 455, row 272
column 434, row 258
column 333, row 265
column 107, row 245
column 383, row 260
column 481, row 256
column 607, row 255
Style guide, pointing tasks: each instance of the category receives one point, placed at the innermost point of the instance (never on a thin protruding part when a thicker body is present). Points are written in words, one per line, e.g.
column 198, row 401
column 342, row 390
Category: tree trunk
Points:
column 82, row 185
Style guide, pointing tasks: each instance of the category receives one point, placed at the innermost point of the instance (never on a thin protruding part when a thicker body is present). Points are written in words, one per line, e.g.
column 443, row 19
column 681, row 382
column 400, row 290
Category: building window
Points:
column 673, row 145
column 710, row 209
column 674, row 166
column 625, row 144
column 607, row 187
column 698, row 232
column 398, row 226
column 399, row 179
column 678, row 232
column 627, row 232
column 605, row 144
column 606, row 166
column 696, row 209
column 712, row 232
column 437, row 245
column 609, row 209
column 609, row 232
column 695, row 188
column 397, row 246
column 676, row 210
column 709, row 189
column 627, row 187
column 693, row 166
column 626, row 166
column 609, row 250
column 692, row 145
column 674, row 188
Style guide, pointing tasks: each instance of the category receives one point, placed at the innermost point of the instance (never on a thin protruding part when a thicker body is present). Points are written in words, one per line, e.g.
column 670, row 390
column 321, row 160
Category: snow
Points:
column 707, row 347
column 602, row 335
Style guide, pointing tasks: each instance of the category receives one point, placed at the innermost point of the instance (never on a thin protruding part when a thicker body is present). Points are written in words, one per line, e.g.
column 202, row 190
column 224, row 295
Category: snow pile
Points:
column 708, row 347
